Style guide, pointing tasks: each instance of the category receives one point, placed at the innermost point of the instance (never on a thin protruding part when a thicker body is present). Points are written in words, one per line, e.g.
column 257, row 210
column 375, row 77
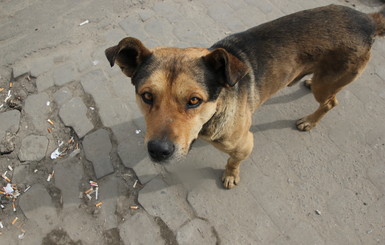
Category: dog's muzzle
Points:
column 160, row 150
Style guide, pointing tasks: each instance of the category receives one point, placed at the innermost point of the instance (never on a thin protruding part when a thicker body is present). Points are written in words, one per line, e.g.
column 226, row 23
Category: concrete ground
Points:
column 67, row 118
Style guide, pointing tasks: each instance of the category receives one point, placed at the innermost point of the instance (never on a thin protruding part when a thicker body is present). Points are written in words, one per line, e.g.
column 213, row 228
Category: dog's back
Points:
column 293, row 46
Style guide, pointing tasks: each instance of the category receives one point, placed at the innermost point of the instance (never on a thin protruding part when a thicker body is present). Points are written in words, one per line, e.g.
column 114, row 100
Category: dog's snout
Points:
column 160, row 150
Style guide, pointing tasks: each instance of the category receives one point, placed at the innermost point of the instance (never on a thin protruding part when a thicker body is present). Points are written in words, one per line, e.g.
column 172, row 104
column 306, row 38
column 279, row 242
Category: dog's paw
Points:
column 304, row 125
column 230, row 180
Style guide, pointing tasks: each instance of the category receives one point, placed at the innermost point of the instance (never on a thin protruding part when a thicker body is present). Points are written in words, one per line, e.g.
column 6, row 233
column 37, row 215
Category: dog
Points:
column 211, row 93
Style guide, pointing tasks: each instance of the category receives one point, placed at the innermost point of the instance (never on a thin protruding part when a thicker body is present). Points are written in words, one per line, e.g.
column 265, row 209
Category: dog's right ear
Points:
column 128, row 55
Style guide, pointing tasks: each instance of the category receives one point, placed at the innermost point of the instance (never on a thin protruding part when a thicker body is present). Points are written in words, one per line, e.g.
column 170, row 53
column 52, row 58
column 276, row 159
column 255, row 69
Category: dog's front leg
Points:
column 237, row 153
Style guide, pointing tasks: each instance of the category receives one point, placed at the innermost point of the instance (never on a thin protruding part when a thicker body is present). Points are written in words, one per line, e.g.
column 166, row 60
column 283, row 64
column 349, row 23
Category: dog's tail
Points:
column 379, row 20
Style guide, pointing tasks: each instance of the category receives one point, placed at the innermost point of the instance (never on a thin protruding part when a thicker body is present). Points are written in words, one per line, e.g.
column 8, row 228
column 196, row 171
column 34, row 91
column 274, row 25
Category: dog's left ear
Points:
column 128, row 55
column 229, row 68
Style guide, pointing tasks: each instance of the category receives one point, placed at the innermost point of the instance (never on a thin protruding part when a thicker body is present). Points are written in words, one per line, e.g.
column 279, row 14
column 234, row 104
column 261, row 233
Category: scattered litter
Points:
column 26, row 189
column 1, row 89
column 138, row 131
column 14, row 205
column 99, row 204
column 134, row 207
column 1, row 225
column 50, row 122
column 48, row 103
column 10, row 84
column 136, row 181
column 28, row 78
column 50, row 176
column 93, row 183
column 10, row 168
column 318, row 212
column 5, row 177
column 21, row 236
column 84, row 22
column 8, row 189
column 95, row 62
column 369, row 231
column 8, row 96
column 1, row 106
column 49, row 130
column 14, row 221
column 97, row 193
column 35, row 171
column 2, row 206
column 66, row 148
column 92, row 108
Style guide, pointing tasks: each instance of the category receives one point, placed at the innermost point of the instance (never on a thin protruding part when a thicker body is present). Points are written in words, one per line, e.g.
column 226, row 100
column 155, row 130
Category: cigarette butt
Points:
column 2, row 192
column 14, row 206
column 10, row 84
column 10, row 168
column 88, row 191
column 6, row 178
column 28, row 78
column 84, row 22
column 35, row 171
column 136, row 181
column 89, row 196
column 97, row 193
column 50, row 122
column 134, row 207
column 1, row 89
column 1, row 225
column 26, row 189
column 71, row 140
column 93, row 183
column 2, row 206
column 49, row 130
column 99, row 204
column 77, row 145
column 14, row 220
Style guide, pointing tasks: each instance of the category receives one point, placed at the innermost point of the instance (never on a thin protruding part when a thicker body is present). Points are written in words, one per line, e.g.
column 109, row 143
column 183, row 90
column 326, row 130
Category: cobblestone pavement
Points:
column 67, row 118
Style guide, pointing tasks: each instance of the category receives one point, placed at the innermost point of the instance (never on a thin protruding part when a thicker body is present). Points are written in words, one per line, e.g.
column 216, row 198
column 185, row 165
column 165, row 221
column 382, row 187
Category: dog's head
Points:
column 176, row 89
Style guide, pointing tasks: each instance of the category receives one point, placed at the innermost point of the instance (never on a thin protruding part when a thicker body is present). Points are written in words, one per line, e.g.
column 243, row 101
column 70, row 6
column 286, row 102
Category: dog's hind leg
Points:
column 326, row 86
column 240, row 152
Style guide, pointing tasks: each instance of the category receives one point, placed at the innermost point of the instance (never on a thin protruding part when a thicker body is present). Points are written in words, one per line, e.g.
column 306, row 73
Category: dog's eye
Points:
column 194, row 102
column 147, row 98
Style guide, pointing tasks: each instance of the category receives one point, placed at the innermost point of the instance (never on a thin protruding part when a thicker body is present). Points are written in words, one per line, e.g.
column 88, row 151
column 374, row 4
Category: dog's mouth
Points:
column 163, row 151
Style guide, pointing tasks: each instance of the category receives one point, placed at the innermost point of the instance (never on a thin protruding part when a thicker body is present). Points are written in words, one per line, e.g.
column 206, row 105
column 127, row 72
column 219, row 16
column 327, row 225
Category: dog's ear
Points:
column 128, row 55
column 228, row 67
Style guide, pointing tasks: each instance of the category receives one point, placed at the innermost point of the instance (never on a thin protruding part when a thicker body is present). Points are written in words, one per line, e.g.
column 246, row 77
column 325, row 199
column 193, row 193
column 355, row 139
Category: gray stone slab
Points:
column 37, row 109
column 9, row 121
column 377, row 176
column 108, row 194
column 68, row 175
column 64, row 74
column 36, row 204
column 40, row 66
column 97, row 147
column 19, row 69
column 196, row 232
column 33, row 148
column 229, row 211
column 131, row 231
column 62, row 95
column 113, row 110
column 44, row 81
column 74, row 114
column 164, row 201
column 302, row 233
column 133, row 26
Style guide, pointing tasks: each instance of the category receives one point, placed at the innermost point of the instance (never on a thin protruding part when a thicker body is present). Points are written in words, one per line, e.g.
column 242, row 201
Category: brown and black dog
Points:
column 211, row 93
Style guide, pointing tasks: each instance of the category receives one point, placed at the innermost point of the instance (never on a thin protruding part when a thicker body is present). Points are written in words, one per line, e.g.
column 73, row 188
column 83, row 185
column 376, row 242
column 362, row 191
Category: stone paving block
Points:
column 67, row 178
column 302, row 234
column 36, row 108
column 134, row 27
column 131, row 231
column 160, row 28
column 40, row 66
column 145, row 170
column 74, row 114
column 164, row 201
column 19, row 69
column 33, row 148
column 146, row 14
column 9, row 121
column 64, row 74
column 97, row 147
column 229, row 212
column 62, row 95
column 44, row 81
column 113, row 36
column 377, row 176
column 197, row 232
column 37, row 203
column 108, row 194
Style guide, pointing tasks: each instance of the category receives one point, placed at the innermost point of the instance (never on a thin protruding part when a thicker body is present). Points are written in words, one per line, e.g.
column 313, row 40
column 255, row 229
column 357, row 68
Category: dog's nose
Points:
column 160, row 150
